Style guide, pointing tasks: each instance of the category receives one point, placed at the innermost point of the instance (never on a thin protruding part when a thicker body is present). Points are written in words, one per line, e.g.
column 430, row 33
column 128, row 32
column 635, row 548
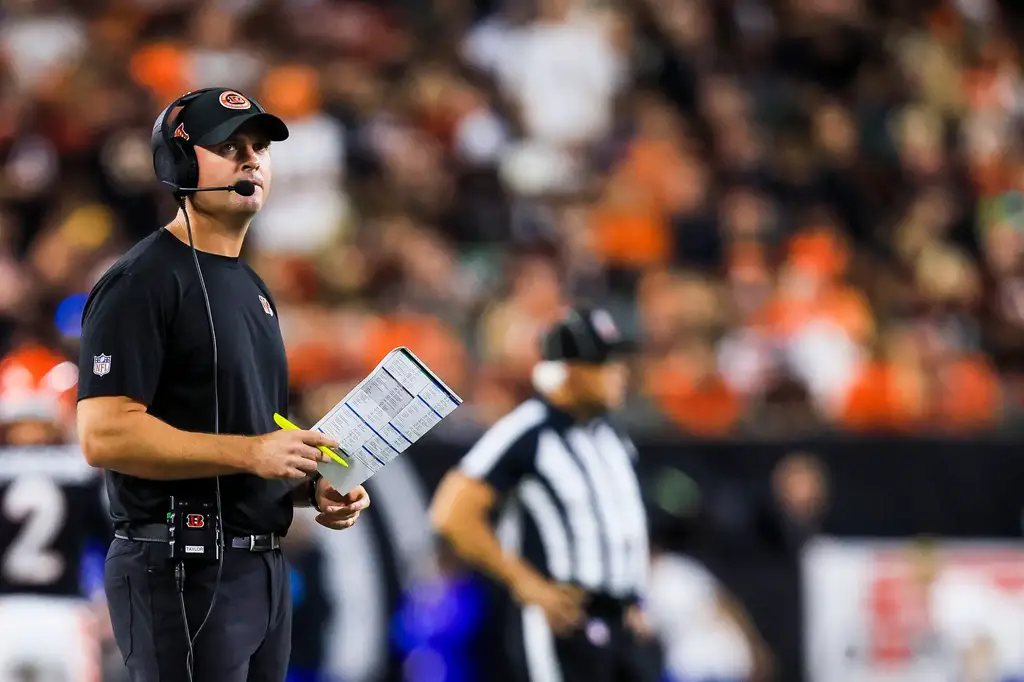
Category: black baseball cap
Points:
column 587, row 335
column 214, row 116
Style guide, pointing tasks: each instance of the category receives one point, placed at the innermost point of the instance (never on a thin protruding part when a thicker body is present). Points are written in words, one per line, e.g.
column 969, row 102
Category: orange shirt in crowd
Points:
column 964, row 397
column 820, row 257
column 706, row 407
column 819, row 251
column 313, row 363
column 314, row 360
column 844, row 306
column 426, row 336
column 631, row 224
column 160, row 67
column 629, row 228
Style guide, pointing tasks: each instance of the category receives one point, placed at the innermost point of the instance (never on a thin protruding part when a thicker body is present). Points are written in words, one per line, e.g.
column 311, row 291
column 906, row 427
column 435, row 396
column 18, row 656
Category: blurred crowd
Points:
column 810, row 213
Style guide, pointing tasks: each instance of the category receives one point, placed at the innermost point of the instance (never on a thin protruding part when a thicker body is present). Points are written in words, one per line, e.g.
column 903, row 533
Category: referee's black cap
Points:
column 214, row 116
column 587, row 335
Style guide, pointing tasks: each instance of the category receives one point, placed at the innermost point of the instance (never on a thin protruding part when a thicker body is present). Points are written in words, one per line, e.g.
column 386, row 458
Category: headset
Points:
column 176, row 165
column 549, row 375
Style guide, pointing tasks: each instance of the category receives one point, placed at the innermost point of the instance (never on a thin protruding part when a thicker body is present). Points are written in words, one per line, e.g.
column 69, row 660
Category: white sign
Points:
column 913, row 612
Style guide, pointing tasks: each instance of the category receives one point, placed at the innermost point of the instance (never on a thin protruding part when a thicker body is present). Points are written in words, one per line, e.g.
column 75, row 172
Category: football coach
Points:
column 182, row 369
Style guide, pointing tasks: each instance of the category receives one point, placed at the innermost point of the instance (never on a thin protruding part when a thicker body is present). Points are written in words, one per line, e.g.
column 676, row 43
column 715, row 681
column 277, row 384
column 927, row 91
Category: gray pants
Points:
column 246, row 639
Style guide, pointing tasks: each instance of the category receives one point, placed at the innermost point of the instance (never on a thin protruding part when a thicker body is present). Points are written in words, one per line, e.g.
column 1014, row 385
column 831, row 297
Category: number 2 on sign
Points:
column 39, row 505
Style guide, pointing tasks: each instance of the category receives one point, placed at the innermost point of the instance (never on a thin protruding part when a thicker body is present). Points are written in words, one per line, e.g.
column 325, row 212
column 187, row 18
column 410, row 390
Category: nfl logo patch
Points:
column 266, row 306
column 100, row 365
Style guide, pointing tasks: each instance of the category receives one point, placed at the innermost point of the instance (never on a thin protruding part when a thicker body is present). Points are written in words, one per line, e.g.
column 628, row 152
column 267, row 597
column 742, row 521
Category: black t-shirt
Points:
column 51, row 512
column 145, row 335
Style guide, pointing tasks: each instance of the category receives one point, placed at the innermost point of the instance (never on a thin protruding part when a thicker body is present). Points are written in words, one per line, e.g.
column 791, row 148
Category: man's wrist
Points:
column 242, row 452
column 304, row 494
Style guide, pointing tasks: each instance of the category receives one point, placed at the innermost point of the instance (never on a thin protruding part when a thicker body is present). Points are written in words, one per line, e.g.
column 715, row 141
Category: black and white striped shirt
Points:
column 572, row 503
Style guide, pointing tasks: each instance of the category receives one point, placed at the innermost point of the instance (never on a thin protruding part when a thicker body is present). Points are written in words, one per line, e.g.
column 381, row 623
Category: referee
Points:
column 171, row 411
column 562, row 476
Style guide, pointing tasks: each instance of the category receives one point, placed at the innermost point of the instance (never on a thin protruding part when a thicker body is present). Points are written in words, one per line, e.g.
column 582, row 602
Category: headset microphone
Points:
column 243, row 188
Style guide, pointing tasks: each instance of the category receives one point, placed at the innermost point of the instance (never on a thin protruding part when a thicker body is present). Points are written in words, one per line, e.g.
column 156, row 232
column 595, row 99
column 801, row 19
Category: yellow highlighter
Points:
column 287, row 425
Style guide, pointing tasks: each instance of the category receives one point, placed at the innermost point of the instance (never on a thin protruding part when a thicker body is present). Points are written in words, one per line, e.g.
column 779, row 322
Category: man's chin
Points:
column 232, row 207
column 254, row 200
column 245, row 205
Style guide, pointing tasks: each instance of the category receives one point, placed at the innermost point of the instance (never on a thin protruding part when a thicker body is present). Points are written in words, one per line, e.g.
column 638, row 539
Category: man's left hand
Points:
column 339, row 511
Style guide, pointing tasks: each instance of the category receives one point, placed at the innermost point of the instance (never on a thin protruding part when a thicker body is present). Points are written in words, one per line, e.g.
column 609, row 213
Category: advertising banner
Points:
column 913, row 611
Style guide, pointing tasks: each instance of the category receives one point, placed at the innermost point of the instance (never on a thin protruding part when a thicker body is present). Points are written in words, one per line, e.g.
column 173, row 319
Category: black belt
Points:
column 157, row 532
column 605, row 606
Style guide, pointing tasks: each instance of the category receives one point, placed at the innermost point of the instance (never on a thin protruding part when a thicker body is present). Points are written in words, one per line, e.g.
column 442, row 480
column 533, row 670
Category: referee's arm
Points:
column 127, row 318
column 463, row 502
column 461, row 510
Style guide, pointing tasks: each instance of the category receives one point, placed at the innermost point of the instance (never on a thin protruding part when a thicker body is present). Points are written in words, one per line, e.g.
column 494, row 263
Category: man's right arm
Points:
column 116, row 433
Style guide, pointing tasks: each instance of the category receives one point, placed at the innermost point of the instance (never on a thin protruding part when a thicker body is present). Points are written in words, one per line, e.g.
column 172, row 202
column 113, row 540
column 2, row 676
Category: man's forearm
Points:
column 139, row 444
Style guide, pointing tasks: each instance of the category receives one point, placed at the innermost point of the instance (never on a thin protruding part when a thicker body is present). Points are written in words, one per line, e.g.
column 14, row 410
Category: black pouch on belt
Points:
column 194, row 530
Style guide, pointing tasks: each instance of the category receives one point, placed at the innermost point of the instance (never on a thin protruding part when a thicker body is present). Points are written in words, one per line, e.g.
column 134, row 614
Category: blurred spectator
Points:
column 904, row 392
column 705, row 632
column 308, row 167
column 560, row 73
column 800, row 490
column 39, row 39
column 221, row 53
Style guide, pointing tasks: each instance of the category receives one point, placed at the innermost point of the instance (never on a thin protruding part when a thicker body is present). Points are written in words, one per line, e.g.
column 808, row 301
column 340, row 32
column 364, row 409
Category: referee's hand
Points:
column 563, row 605
column 289, row 455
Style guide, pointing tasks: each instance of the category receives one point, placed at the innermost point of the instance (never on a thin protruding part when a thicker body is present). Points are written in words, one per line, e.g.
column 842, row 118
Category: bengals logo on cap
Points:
column 180, row 131
column 233, row 100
